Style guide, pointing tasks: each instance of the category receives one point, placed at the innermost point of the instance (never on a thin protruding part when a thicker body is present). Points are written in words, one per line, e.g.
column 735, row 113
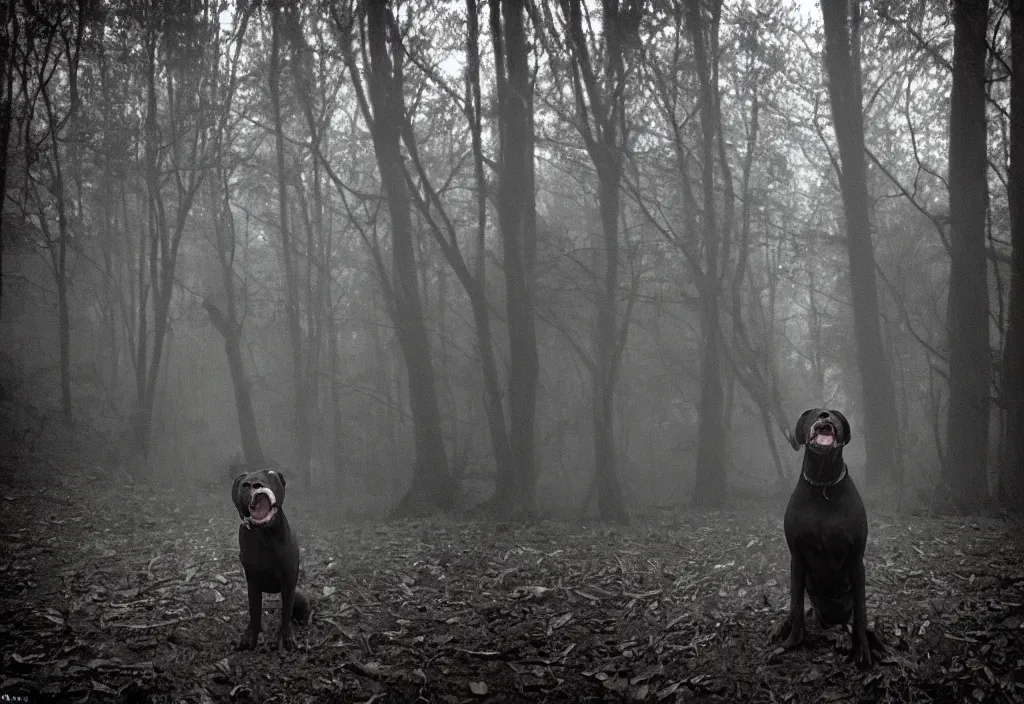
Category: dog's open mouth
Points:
column 262, row 506
column 823, row 435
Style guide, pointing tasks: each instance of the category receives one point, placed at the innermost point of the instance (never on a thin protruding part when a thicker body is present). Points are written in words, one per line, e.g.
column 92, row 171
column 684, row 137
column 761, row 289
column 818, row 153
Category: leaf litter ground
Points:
column 120, row 590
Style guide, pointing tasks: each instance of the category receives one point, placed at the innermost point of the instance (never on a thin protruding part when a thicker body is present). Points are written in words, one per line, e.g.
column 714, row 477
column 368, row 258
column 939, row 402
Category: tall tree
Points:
column 599, row 85
column 315, row 102
column 517, row 219
column 842, row 61
column 710, row 489
column 300, row 361
column 175, row 149
column 1012, row 469
column 48, row 71
column 8, row 42
column 384, row 113
column 751, row 360
column 224, row 310
column 516, row 470
column 964, row 471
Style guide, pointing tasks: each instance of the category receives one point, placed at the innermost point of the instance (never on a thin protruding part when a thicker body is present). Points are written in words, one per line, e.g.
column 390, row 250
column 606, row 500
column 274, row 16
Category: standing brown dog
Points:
column 827, row 531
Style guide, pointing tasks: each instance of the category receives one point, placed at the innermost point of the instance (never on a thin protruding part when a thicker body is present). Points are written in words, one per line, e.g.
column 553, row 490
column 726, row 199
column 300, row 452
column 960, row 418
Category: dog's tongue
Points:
column 824, row 438
column 260, row 507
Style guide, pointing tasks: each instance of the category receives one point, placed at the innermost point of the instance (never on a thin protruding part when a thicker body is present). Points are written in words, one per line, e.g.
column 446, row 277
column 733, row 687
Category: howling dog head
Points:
column 258, row 496
column 822, row 430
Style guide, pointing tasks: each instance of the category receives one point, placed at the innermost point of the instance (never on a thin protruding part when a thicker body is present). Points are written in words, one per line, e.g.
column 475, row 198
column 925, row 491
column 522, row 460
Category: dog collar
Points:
column 825, row 485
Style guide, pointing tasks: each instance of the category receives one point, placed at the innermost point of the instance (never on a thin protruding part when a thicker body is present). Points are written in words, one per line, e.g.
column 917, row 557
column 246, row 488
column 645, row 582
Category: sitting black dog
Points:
column 269, row 554
column 827, row 530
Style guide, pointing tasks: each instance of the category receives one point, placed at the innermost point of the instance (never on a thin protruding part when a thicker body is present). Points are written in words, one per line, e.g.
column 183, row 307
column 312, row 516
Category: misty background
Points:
column 535, row 258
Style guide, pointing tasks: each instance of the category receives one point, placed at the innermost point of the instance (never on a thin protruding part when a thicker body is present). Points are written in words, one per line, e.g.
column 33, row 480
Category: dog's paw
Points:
column 302, row 612
column 796, row 634
column 796, row 637
column 863, row 645
column 782, row 632
column 861, row 656
column 285, row 640
column 876, row 644
column 248, row 639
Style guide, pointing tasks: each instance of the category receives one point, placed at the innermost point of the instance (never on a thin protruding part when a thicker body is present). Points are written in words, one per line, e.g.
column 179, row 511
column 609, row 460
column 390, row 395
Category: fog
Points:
column 597, row 270
column 511, row 351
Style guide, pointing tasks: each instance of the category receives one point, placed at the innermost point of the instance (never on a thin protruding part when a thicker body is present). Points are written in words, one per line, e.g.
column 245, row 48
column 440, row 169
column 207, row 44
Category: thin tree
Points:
column 711, row 480
column 309, row 86
column 516, row 475
column 9, row 35
column 599, row 88
column 301, row 400
column 384, row 112
column 964, row 471
column 842, row 61
column 1012, row 461
column 175, row 148
column 226, row 318
column 49, row 61
column 517, row 219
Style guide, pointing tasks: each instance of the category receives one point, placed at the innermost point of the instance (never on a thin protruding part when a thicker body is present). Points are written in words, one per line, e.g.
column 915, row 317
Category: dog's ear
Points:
column 236, row 498
column 846, row 426
column 803, row 424
column 280, row 494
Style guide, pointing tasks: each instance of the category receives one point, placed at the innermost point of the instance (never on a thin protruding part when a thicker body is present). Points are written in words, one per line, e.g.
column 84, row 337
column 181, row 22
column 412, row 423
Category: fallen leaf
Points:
column 559, row 621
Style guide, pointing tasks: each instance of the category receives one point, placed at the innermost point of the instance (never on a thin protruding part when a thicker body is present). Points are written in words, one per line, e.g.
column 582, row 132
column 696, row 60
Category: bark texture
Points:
column 965, row 467
column 881, row 429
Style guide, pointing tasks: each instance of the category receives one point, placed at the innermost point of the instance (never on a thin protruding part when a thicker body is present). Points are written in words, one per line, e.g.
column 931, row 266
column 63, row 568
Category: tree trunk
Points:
column 493, row 401
column 337, row 416
column 59, row 249
column 430, row 487
column 64, row 322
column 107, row 199
column 600, row 97
column 1012, row 462
column 232, row 334
column 517, row 219
column 8, row 40
column 965, row 470
column 611, row 505
column 881, row 429
column 711, row 480
column 300, row 427
column 147, row 368
column 164, row 232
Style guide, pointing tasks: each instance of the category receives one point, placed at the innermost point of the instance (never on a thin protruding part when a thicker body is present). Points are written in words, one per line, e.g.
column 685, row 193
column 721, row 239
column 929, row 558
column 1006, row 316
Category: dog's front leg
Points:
column 861, row 649
column 285, row 639
column 797, row 584
column 252, row 631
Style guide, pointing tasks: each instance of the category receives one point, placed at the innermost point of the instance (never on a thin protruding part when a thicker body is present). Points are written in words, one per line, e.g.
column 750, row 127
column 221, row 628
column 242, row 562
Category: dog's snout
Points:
column 823, row 414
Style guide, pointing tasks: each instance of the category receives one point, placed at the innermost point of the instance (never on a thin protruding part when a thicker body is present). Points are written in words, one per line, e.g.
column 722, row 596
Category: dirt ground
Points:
column 123, row 590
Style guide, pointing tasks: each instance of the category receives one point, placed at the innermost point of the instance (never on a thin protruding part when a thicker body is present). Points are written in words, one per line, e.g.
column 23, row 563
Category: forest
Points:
column 525, row 298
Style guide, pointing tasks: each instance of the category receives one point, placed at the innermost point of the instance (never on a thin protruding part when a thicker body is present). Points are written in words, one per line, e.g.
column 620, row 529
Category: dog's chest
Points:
column 266, row 554
column 817, row 526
